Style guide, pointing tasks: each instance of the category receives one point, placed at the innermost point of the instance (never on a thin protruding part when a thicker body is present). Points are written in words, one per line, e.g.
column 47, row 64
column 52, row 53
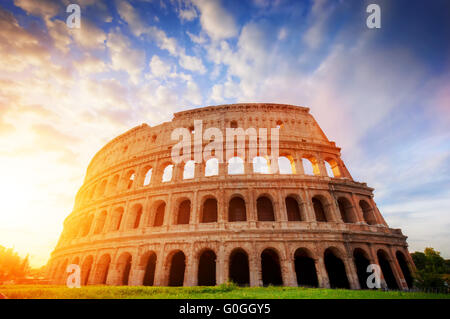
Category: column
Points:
column 357, row 209
column 299, row 170
column 351, row 273
column 255, row 269
column 397, row 270
column 288, row 272
column 221, row 273
column 159, row 269
column 189, row 272
column 322, row 274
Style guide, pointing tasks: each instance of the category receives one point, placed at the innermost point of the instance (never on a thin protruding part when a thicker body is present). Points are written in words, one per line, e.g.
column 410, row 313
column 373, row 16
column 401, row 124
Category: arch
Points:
column 167, row 174
column 346, row 210
column 270, row 268
column 335, row 269
column 149, row 262
column 87, row 225
column 212, row 167
column 368, row 213
column 385, row 265
column 292, row 209
column 209, row 211
column 305, row 268
column 236, row 210
column 124, row 268
column 405, row 268
column 102, row 188
column 264, row 209
column 286, row 165
column 102, row 272
column 159, row 215
column 184, row 212
column 261, row 165
column 113, row 185
column 100, row 223
column 86, row 269
column 319, row 210
column 235, row 166
column 238, row 267
column 116, row 218
column 308, row 166
column 129, row 179
column 135, row 216
column 361, row 262
column 189, row 170
column 177, row 268
column 148, row 176
column 332, row 168
column 62, row 272
column 207, row 268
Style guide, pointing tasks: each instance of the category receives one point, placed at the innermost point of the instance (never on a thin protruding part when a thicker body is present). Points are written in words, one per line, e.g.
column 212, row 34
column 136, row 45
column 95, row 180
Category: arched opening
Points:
column 189, row 170
column 305, row 268
column 102, row 269
column 385, row 266
column 368, row 214
column 270, row 267
column 150, row 266
column 101, row 189
column 332, row 168
column 235, row 166
column 236, row 210
column 319, row 210
column 86, row 270
column 207, row 268
column 261, row 165
column 212, row 167
column 286, row 165
column 116, row 218
column 124, row 268
column 209, row 212
column 148, row 176
column 100, row 224
column 336, row 270
column 62, row 272
column 87, row 225
column 264, row 209
column 361, row 263
column 308, row 166
column 113, row 184
column 135, row 217
column 167, row 175
column 184, row 212
column 405, row 268
column 129, row 179
column 346, row 210
column 177, row 267
column 292, row 209
column 239, row 271
column 159, row 215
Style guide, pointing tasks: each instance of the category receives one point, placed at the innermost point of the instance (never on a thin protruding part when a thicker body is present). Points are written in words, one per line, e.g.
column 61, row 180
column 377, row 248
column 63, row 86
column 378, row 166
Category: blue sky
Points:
column 382, row 94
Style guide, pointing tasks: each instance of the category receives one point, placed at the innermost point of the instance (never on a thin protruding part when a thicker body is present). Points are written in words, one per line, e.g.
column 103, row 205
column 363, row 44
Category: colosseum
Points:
column 141, row 219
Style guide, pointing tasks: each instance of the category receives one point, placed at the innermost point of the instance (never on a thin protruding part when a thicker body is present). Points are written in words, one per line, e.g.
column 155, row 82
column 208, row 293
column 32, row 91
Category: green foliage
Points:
column 217, row 292
column 430, row 269
column 12, row 266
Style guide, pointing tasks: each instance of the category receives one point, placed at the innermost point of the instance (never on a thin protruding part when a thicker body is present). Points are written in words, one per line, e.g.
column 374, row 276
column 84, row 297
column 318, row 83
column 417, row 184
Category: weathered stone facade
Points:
column 130, row 227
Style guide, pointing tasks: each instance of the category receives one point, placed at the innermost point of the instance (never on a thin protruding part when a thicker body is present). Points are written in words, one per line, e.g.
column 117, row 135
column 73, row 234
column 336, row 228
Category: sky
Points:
column 383, row 95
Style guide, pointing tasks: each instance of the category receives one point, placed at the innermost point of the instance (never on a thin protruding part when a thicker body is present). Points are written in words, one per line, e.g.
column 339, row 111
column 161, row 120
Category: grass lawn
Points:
column 218, row 292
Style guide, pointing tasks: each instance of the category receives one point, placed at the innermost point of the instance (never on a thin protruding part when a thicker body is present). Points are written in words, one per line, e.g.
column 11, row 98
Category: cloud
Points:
column 124, row 57
column 43, row 8
column 158, row 67
column 215, row 20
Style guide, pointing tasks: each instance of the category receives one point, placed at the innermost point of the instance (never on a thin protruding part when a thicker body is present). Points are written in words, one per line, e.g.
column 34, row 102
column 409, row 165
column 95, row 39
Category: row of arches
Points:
column 239, row 268
column 294, row 210
column 286, row 164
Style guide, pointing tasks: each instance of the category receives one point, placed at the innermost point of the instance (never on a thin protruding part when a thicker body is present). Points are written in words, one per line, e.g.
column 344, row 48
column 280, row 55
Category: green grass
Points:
column 218, row 292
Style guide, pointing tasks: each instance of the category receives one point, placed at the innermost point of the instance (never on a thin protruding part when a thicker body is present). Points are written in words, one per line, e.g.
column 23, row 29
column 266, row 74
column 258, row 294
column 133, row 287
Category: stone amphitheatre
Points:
column 140, row 219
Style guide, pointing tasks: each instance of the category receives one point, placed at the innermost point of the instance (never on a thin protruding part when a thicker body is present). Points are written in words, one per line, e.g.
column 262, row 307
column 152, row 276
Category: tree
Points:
column 430, row 269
